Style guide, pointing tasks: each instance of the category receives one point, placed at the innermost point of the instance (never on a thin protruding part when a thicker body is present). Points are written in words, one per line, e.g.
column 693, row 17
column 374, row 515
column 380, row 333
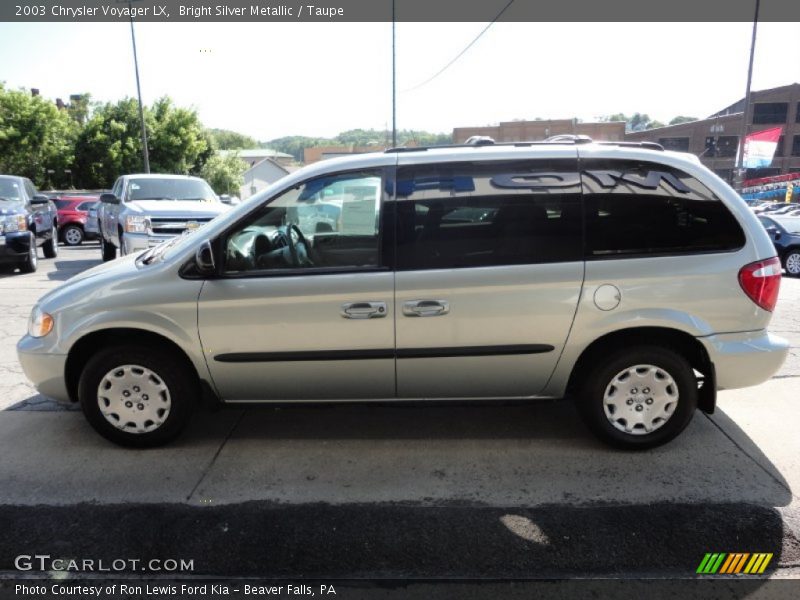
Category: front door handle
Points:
column 364, row 310
column 426, row 308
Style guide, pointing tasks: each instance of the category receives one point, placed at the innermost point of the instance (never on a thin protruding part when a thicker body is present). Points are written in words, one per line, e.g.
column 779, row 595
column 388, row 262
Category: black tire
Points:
column 600, row 377
column 108, row 251
column 31, row 261
column 72, row 235
column 50, row 247
column 179, row 380
column 792, row 264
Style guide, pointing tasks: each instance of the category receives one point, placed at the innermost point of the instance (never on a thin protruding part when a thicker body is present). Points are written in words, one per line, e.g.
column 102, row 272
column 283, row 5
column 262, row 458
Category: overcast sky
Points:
column 274, row 79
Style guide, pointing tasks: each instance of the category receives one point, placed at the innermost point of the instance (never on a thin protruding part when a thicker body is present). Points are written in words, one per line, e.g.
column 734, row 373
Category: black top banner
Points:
column 399, row 10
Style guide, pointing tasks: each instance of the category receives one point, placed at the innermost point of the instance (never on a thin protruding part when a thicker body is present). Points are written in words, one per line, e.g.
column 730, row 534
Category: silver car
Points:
column 142, row 211
column 630, row 279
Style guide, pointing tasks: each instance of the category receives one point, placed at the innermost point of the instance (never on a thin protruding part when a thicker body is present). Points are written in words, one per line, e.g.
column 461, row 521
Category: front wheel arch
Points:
column 90, row 344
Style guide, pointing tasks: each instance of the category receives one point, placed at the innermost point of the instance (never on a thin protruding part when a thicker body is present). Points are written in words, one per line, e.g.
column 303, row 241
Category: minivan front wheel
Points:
column 136, row 396
column 639, row 397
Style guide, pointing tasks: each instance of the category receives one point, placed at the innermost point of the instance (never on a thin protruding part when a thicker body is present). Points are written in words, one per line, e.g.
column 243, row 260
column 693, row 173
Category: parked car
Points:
column 769, row 207
column 141, row 211
column 27, row 220
column 92, row 226
column 626, row 277
column 785, row 234
column 73, row 212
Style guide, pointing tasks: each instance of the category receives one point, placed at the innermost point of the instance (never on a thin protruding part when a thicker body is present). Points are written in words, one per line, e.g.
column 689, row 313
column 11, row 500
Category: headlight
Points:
column 137, row 224
column 12, row 223
column 40, row 323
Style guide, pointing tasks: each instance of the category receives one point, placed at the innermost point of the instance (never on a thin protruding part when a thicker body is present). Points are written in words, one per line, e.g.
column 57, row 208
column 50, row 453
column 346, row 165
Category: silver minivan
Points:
column 628, row 278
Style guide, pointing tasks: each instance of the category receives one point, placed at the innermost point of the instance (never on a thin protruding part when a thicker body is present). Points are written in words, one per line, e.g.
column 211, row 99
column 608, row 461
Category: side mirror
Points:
column 39, row 199
column 204, row 259
column 109, row 199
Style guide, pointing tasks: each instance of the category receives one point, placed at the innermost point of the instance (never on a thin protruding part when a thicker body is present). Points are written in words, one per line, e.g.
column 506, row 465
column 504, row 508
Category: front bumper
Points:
column 139, row 242
column 745, row 359
column 14, row 246
column 45, row 370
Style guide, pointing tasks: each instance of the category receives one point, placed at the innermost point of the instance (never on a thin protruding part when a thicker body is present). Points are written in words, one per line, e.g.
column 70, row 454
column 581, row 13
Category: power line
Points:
column 460, row 54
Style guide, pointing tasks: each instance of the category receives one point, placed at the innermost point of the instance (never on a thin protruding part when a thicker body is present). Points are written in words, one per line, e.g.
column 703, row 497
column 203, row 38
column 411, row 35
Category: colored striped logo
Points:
column 720, row 563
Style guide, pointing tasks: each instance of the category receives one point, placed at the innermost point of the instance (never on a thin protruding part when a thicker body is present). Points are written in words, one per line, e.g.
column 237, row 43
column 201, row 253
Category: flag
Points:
column 759, row 147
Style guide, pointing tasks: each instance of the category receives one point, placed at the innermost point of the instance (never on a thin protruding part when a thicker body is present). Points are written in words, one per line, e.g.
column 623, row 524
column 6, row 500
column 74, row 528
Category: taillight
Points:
column 761, row 281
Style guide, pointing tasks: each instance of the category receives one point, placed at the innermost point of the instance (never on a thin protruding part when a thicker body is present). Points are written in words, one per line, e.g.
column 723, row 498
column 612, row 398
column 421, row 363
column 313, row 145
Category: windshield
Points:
column 170, row 189
column 10, row 190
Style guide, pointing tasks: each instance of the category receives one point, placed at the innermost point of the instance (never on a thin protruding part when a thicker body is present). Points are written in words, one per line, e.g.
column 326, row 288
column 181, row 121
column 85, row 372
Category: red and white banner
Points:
column 759, row 148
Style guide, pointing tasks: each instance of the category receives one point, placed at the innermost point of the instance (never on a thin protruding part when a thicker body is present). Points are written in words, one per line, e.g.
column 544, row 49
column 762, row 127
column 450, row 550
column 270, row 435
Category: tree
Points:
column 36, row 138
column 680, row 119
column 224, row 139
column 224, row 173
column 636, row 122
column 110, row 144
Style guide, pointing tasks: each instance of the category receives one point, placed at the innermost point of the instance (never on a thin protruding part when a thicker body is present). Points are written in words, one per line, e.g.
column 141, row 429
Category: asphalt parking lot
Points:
column 476, row 491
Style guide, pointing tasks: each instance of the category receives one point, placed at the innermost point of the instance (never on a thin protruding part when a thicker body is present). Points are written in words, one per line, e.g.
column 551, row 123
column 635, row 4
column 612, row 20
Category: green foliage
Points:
column 35, row 137
column 225, row 174
column 224, row 139
column 177, row 140
column 357, row 137
column 110, row 143
column 636, row 122
column 681, row 119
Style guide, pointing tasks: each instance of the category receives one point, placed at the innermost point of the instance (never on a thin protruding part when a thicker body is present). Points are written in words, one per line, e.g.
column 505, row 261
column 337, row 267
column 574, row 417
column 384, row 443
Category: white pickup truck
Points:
column 144, row 210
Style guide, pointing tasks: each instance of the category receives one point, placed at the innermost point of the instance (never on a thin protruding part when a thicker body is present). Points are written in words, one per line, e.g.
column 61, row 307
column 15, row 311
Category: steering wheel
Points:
column 298, row 250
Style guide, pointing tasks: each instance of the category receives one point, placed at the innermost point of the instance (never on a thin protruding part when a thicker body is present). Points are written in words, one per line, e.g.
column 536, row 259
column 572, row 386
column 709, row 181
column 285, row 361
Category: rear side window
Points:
column 62, row 204
column 488, row 214
column 640, row 208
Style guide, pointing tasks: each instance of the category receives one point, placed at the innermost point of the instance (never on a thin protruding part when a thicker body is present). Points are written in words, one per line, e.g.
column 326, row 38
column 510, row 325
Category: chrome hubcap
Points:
column 640, row 399
column 133, row 399
column 793, row 264
column 73, row 236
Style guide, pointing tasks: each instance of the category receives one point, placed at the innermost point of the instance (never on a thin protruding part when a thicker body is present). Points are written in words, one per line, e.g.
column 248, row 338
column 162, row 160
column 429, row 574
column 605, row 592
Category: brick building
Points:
column 530, row 131
column 716, row 139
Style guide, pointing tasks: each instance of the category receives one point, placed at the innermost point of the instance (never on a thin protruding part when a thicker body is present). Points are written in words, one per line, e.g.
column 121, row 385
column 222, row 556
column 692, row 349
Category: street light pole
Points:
column 746, row 110
column 145, row 153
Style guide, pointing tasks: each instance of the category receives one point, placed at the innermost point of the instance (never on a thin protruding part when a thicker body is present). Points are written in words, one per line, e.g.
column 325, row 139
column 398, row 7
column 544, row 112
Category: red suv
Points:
column 72, row 214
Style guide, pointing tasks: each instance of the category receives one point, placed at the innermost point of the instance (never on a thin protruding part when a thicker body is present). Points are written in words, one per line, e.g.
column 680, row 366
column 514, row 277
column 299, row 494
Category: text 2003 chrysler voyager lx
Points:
column 629, row 278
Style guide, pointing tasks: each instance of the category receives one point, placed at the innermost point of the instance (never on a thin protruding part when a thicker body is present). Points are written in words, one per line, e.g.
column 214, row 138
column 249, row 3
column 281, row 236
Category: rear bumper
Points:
column 745, row 359
column 14, row 246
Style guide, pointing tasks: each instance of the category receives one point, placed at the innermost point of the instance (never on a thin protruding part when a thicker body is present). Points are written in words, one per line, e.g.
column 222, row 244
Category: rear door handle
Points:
column 364, row 310
column 426, row 308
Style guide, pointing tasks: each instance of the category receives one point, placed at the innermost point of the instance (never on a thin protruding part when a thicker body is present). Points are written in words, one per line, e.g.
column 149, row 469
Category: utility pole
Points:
column 145, row 153
column 394, row 80
column 746, row 111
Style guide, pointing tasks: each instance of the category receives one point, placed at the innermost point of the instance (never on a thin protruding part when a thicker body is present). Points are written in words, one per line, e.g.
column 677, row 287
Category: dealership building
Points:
column 716, row 138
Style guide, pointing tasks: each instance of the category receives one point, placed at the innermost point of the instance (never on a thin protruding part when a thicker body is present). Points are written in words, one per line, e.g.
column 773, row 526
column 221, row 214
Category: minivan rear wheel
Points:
column 639, row 397
column 136, row 396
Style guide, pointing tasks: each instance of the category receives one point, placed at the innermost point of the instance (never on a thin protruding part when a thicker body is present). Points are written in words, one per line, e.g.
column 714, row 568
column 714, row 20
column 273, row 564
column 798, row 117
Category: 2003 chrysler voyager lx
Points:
column 627, row 277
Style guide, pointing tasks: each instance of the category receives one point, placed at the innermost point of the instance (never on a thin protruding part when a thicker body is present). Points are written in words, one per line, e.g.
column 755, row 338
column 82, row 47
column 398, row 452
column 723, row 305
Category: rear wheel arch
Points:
column 674, row 339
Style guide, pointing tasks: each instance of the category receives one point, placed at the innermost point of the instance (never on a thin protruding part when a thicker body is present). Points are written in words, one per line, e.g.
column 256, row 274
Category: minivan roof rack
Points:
column 480, row 141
